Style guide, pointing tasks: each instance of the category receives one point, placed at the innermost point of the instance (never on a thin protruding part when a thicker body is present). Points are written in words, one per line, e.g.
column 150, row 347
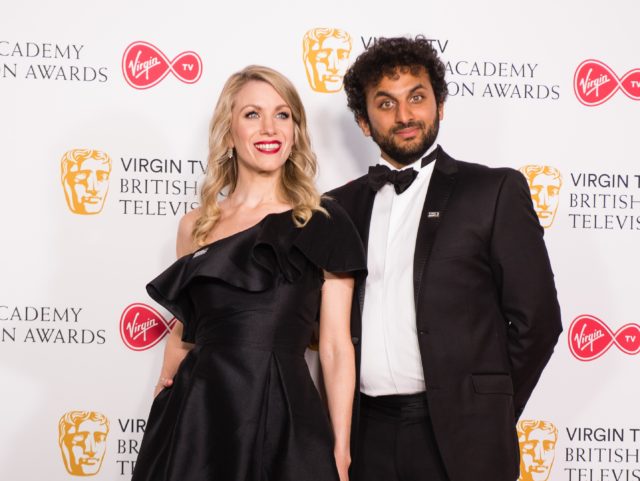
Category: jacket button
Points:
column 355, row 340
column 423, row 332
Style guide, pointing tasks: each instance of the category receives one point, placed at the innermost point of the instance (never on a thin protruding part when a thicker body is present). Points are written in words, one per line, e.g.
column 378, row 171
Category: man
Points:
column 326, row 58
column 85, row 179
column 458, row 315
column 537, row 449
column 83, row 441
column 544, row 182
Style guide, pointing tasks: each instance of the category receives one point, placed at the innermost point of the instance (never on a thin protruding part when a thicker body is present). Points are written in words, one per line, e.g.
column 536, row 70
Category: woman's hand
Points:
column 163, row 382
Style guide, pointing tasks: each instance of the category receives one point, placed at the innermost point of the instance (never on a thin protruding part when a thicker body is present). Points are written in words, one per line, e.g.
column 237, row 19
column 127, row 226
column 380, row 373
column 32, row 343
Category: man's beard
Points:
column 407, row 155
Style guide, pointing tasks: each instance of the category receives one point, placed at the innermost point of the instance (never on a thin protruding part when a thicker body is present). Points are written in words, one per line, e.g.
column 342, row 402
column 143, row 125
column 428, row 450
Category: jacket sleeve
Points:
column 525, row 281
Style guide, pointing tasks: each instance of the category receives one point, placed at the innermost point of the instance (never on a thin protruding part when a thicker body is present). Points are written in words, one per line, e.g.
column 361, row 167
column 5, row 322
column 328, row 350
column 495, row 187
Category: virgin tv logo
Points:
column 144, row 66
column 142, row 327
column 594, row 83
column 590, row 338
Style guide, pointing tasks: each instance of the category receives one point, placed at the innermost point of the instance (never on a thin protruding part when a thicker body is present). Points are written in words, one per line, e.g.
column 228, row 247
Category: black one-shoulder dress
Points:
column 243, row 406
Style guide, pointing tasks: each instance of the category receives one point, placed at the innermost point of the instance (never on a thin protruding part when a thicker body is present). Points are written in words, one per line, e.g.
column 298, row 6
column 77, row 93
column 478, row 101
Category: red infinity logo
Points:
column 590, row 338
column 594, row 83
column 144, row 65
column 142, row 327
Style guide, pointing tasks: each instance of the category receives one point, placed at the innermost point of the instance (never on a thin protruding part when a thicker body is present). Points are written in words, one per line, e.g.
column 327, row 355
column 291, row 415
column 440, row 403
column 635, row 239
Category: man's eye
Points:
column 417, row 98
column 387, row 104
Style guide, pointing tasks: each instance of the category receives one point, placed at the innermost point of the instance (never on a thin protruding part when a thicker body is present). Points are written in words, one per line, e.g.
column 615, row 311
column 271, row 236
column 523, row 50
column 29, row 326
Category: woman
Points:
column 235, row 400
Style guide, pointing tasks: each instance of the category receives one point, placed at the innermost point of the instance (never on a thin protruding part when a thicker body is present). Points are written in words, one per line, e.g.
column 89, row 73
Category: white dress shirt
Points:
column 391, row 362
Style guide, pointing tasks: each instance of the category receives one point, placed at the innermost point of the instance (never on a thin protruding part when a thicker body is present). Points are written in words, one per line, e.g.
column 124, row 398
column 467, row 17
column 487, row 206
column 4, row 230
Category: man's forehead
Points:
column 418, row 71
column 410, row 74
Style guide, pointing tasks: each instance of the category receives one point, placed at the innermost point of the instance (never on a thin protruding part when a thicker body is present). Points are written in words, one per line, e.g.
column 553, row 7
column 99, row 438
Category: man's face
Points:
column 88, row 184
column 545, row 192
column 329, row 60
column 537, row 454
column 85, row 447
column 403, row 115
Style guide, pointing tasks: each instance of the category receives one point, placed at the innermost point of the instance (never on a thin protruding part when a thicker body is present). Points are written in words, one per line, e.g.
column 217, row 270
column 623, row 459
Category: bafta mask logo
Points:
column 326, row 58
column 83, row 441
column 544, row 182
column 85, row 180
column 537, row 449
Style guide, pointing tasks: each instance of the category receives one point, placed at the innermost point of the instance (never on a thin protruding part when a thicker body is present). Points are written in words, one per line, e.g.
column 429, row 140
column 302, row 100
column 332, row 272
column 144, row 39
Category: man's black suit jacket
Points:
column 486, row 309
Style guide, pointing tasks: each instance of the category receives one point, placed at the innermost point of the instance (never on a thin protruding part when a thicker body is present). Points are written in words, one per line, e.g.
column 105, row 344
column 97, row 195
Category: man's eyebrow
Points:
column 382, row 93
column 417, row 87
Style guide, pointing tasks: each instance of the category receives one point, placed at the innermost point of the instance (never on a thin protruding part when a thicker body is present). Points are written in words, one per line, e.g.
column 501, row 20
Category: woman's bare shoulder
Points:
column 184, row 243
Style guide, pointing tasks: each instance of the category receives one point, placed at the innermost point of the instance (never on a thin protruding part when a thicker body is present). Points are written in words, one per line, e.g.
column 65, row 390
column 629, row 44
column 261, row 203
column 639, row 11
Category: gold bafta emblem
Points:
column 544, row 182
column 537, row 441
column 83, row 441
column 326, row 58
column 85, row 180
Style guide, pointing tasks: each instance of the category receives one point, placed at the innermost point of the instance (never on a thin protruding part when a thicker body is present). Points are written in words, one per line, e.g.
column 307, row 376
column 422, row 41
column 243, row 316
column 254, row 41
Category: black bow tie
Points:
column 380, row 175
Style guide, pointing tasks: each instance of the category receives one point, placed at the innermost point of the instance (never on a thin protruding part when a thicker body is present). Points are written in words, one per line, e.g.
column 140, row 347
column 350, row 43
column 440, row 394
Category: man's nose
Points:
column 404, row 113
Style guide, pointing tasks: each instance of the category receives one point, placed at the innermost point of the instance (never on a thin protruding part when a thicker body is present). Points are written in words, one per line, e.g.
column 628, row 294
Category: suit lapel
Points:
column 360, row 208
column 363, row 216
column 434, row 209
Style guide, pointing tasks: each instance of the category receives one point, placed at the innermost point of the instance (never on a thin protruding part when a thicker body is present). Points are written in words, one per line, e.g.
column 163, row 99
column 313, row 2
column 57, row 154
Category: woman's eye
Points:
column 251, row 115
column 283, row 115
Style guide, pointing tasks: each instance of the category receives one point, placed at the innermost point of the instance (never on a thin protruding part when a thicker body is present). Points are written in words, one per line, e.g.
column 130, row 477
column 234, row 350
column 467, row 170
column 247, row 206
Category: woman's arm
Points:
column 337, row 359
column 175, row 350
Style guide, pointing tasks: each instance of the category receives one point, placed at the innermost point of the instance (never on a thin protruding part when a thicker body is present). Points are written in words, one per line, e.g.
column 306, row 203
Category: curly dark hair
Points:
column 384, row 59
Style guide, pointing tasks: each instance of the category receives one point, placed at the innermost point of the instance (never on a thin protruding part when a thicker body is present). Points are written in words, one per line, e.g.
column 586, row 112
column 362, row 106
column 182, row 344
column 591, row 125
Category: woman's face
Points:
column 261, row 128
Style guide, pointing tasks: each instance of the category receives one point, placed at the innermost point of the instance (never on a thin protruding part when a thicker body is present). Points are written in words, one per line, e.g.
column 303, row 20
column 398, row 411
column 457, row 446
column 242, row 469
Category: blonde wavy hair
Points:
column 298, row 173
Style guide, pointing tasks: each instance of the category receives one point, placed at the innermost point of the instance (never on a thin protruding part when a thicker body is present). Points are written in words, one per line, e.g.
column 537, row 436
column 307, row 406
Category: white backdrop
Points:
column 68, row 281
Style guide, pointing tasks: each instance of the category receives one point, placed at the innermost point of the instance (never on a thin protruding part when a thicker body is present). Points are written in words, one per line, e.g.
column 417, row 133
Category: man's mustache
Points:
column 408, row 125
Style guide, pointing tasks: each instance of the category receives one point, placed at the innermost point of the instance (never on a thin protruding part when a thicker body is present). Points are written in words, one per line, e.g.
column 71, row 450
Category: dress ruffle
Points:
column 254, row 259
